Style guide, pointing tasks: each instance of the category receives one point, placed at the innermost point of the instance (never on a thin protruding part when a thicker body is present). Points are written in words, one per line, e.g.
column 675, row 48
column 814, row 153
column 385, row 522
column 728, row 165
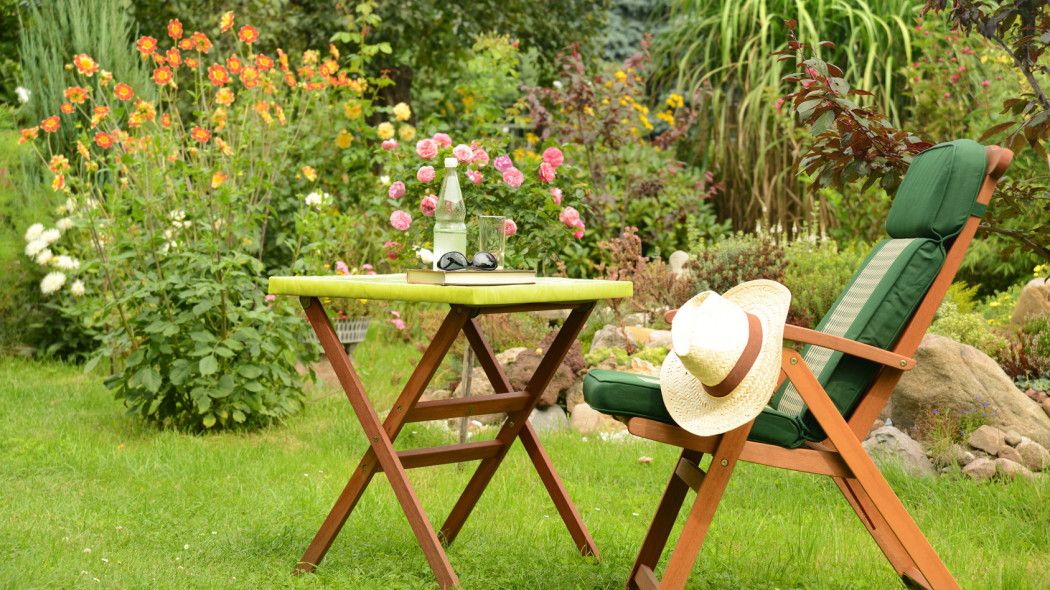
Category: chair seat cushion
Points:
column 626, row 395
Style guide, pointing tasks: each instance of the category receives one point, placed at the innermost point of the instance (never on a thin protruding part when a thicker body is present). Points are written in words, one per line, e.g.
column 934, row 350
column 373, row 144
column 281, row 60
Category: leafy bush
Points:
column 940, row 429
column 736, row 259
column 626, row 154
column 656, row 288
column 166, row 218
column 817, row 273
column 967, row 328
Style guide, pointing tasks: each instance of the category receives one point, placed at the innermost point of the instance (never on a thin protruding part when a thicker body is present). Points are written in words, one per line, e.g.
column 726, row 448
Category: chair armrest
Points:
column 850, row 347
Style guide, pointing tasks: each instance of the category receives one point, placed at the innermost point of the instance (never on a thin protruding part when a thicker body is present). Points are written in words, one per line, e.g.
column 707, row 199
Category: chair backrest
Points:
column 936, row 199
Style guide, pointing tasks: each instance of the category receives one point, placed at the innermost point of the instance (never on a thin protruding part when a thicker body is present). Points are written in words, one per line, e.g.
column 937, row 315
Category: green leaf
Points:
column 385, row 47
column 208, row 421
column 225, row 385
column 202, row 307
column 181, row 371
column 209, row 365
column 249, row 371
column 135, row 358
column 823, row 122
column 238, row 416
column 147, row 377
column 203, row 404
column 202, row 337
column 223, row 352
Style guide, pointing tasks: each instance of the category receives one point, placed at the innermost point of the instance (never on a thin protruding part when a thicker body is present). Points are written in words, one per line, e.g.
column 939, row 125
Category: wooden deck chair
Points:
column 830, row 395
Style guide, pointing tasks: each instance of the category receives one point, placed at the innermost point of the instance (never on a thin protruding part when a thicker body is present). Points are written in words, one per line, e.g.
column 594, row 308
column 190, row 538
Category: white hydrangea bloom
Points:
column 44, row 257
column 77, row 288
column 64, row 262
column 33, row 248
column 51, row 236
column 34, row 231
column 23, row 94
column 52, row 282
column 64, row 224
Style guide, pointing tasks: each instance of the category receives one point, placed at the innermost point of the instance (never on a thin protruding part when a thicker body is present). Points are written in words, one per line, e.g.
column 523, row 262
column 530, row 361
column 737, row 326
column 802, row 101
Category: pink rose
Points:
column 398, row 323
column 392, row 248
column 271, row 297
column 426, row 148
column 397, row 190
column 475, row 176
column 400, row 220
column 553, row 156
column 443, row 139
column 547, row 172
column 341, row 267
column 389, row 145
column 513, row 177
column 556, row 195
column 367, row 266
column 509, row 227
column 425, row 174
column 502, row 163
column 481, row 157
column 463, row 153
column 428, row 205
column 578, row 234
column 569, row 216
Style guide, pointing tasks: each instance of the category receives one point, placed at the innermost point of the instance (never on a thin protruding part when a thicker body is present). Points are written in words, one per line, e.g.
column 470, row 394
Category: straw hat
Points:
column 726, row 356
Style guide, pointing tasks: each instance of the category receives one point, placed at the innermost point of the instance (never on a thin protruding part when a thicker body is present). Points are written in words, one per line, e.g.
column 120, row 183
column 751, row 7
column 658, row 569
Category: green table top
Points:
column 394, row 288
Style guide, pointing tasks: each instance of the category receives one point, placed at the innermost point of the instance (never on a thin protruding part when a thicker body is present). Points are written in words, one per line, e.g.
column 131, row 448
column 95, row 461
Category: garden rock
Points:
column 677, row 261
column 1046, row 408
column 890, row 444
column 585, row 419
column 643, row 367
column 1012, row 438
column 1011, row 469
column 962, row 456
column 609, row 336
column 1033, row 455
column 519, row 373
column 957, row 377
column 648, row 338
column 988, row 439
column 507, row 357
column 549, row 419
column 1008, row 452
column 1036, row 396
column 660, row 338
column 981, row 469
column 573, row 359
column 1034, row 300
column 574, row 395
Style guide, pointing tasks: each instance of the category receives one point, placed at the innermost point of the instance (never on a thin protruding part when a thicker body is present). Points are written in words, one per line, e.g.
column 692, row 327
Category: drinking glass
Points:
column 492, row 236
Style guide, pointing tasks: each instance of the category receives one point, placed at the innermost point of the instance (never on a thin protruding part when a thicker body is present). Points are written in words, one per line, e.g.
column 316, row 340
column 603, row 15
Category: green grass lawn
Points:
column 91, row 498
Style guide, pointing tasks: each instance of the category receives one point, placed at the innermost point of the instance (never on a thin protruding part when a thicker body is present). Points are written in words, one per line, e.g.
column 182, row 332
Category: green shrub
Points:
column 817, row 274
column 967, row 328
column 742, row 257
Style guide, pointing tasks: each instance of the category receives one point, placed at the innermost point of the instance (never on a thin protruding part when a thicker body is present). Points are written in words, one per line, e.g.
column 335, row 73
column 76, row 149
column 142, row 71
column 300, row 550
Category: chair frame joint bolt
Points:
column 725, row 462
column 794, row 360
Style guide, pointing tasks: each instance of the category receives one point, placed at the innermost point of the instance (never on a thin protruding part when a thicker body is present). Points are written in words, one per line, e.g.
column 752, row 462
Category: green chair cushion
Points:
column 626, row 395
column 874, row 309
column 939, row 191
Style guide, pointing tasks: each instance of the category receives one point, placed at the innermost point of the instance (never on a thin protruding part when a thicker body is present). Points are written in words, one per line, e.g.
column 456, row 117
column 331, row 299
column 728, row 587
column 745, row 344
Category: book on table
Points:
column 470, row 278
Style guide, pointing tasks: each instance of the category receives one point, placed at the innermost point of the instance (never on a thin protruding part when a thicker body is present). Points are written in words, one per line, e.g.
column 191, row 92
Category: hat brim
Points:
column 705, row 415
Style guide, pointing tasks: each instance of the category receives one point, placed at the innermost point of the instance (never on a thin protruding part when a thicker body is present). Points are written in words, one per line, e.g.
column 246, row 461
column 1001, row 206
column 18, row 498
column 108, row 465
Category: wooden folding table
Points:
column 466, row 303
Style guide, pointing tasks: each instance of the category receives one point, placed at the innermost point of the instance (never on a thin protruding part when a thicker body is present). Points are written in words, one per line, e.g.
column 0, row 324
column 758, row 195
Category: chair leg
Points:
column 710, row 488
column 880, row 531
column 663, row 520
column 868, row 477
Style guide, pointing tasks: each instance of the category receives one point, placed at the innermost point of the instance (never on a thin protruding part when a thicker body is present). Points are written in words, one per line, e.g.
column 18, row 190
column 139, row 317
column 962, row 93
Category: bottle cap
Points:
column 451, row 162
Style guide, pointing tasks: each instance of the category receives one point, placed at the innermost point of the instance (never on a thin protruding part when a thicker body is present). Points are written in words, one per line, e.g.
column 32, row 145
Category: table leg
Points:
column 517, row 426
column 381, row 447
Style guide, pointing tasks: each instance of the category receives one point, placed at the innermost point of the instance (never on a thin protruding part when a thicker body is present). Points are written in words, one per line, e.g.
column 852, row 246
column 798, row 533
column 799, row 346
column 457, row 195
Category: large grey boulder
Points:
column 890, row 444
column 953, row 376
column 549, row 419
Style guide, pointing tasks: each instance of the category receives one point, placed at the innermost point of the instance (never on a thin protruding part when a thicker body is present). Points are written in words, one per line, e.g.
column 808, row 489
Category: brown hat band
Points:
column 744, row 363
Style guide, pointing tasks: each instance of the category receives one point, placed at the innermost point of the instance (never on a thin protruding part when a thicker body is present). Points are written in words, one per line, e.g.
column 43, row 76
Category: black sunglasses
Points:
column 458, row 261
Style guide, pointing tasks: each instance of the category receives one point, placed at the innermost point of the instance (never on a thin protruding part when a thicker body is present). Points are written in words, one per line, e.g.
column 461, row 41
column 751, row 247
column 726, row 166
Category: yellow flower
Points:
column 402, row 112
column 675, row 101
column 531, row 137
column 406, row 133
column 344, row 139
column 352, row 110
column 385, row 130
column 309, row 173
column 645, row 122
column 620, row 75
column 665, row 117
